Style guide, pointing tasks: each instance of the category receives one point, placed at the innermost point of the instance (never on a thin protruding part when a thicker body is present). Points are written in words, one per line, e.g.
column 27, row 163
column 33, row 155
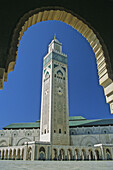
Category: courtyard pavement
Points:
column 56, row 165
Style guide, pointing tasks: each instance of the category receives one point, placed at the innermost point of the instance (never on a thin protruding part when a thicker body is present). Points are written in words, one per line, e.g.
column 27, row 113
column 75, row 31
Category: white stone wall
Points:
column 78, row 136
column 91, row 130
column 88, row 136
column 18, row 137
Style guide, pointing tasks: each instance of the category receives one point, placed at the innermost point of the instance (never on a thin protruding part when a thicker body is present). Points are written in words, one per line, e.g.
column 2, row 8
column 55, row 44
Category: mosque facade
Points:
column 57, row 136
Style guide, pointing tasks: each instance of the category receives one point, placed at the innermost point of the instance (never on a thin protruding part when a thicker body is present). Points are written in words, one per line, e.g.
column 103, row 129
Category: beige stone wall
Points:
column 60, row 105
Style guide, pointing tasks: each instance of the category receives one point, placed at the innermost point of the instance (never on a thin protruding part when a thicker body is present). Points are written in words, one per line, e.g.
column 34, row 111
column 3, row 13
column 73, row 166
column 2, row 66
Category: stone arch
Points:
column 83, row 154
column 104, row 131
column 60, row 14
column 77, row 154
column 97, row 154
column 2, row 155
column 15, row 134
column 59, row 71
column 88, row 141
column 22, row 154
column 6, row 154
column 42, row 153
column 88, row 131
column 55, row 154
column 3, row 143
column 28, row 133
column 14, row 154
column 69, row 154
column 18, row 154
column 108, row 154
column 29, row 153
column 90, row 154
column 10, row 154
column 72, row 132
column 22, row 141
column 2, row 133
column 61, row 154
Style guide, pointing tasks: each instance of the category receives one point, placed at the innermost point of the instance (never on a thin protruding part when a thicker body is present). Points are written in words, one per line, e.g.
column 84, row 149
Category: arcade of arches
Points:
column 28, row 152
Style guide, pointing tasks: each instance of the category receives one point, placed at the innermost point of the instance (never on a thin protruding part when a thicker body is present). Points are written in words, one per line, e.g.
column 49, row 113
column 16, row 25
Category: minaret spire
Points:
column 55, row 37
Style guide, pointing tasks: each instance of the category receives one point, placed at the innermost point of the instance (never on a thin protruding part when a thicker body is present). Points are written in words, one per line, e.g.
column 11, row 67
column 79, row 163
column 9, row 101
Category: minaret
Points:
column 54, row 125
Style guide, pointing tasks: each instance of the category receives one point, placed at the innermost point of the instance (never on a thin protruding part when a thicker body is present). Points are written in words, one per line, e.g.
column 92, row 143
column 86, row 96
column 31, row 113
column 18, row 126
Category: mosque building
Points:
column 57, row 136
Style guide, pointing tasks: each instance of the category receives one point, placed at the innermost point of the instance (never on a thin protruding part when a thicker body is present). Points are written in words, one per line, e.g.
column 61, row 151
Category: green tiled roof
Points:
column 74, row 121
column 81, row 123
column 23, row 125
column 76, row 118
column 95, row 122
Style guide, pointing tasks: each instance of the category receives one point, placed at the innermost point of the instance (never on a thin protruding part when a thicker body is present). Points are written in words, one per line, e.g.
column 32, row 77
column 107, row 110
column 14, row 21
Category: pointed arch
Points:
column 10, row 154
column 69, row 154
column 22, row 141
column 61, row 154
column 14, row 154
column 55, row 154
column 77, row 154
column 90, row 154
column 18, row 154
column 97, row 154
column 6, row 154
column 2, row 155
column 83, row 154
column 42, row 153
column 108, row 154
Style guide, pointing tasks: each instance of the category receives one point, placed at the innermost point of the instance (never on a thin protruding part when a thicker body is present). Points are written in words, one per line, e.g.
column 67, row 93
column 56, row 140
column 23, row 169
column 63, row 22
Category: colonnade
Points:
column 65, row 153
column 57, row 153
column 76, row 154
column 12, row 153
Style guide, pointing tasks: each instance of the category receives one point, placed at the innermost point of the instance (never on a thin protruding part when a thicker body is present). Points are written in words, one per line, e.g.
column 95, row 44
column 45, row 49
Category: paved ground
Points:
column 56, row 165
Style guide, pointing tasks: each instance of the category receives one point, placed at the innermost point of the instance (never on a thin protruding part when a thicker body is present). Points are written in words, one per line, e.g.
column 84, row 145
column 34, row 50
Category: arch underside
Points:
column 61, row 14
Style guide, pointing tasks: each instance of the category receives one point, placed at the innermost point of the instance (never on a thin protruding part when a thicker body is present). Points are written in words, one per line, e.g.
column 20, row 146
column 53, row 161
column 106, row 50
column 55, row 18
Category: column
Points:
column 33, row 152
column 49, row 153
column 25, row 153
column 46, row 154
column 66, row 154
column 93, row 154
column 73, row 154
column 58, row 154
column 52, row 154
column 80, row 154
column 102, row 153
column 38, row 154
column 87, row 155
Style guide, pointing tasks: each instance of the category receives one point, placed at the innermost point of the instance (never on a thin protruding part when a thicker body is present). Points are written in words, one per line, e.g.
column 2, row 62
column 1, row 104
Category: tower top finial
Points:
column 55, row 37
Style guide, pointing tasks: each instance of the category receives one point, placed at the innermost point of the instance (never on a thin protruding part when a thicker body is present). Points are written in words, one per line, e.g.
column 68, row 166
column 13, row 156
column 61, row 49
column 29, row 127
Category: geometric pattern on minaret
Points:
column 54, row 124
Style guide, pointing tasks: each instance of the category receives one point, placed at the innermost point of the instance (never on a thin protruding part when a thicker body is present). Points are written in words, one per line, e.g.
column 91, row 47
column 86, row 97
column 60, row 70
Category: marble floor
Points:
column 56, row 165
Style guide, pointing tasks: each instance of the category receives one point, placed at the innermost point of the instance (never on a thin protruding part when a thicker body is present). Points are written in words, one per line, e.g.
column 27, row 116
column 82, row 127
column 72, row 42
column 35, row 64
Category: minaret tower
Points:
column 54, row 125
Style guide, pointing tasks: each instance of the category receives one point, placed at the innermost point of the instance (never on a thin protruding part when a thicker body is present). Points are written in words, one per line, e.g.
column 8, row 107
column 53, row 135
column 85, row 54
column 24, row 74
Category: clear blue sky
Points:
column 20, row 99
